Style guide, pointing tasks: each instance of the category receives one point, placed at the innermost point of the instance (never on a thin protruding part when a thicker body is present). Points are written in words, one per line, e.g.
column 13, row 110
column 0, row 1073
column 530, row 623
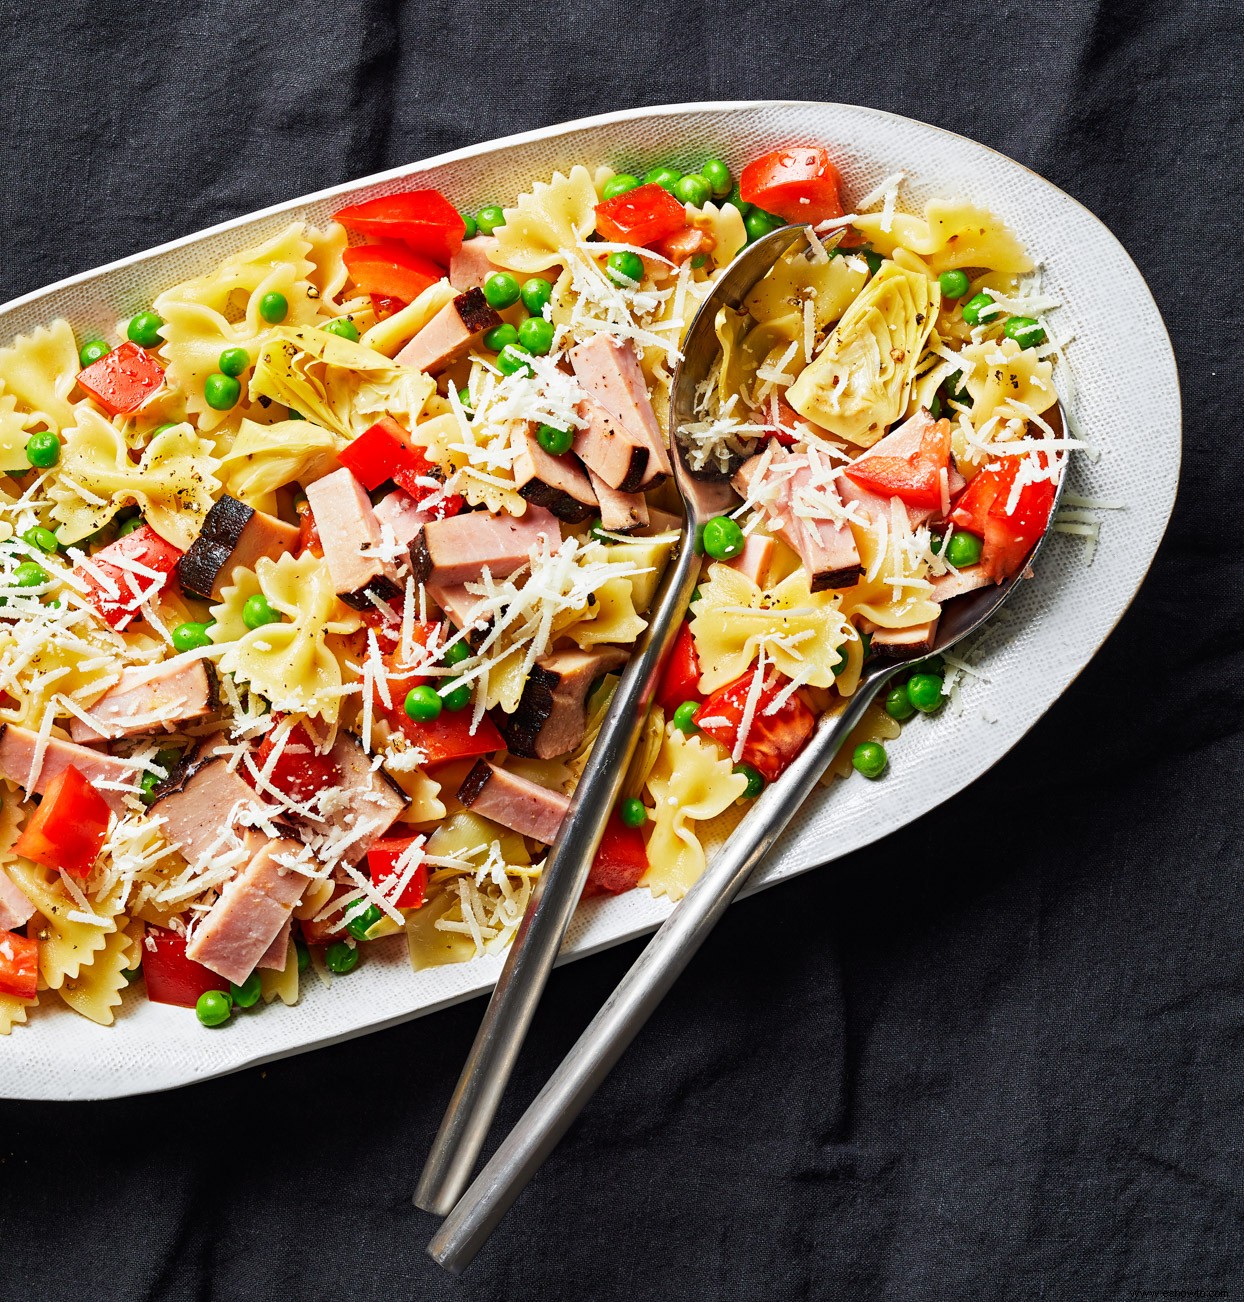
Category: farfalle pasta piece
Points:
column 950, row 234
column 692, row 781
column 388, row 336
column 725, row 224
column 174, row 483
column 610, row 618
column 282, row 985
column 13, row 1012
column 290, row 663
column 859, row 383
column 800, row 630
column 96, row 991
column 66, row 945
column 893, row 590
column 545, row 223
column 263, row 458
column 15, row 431
column 39, row 371
column 479, row 455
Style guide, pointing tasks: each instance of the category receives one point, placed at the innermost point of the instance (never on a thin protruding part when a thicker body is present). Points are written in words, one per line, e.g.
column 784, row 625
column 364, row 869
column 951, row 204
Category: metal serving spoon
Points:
column 538, row 1131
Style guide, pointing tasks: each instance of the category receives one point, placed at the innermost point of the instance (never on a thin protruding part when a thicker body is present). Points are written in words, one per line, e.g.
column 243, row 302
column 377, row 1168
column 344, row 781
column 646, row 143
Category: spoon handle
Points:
column 486, row 1072
column 468, row 1226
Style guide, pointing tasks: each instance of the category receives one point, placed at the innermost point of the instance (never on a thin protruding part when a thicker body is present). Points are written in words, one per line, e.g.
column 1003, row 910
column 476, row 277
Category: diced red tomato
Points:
column 1007, row 537
column 122, row 380
column 69, row 827
column 382, row 861
column 422, row 219
column 449, row 736
column 19, row 965
column 690, row 242
column 387, row 451
column 300, row 772
column 773, row 740
column 799, row 183
column 640, row 216
column 385, row 307
column 439, row 506
column 787, row 419
column 308, row 531
column 118, row 595
column 620, row 862
column 681, row 680
column 917, row 479
column 171, row 977
column 390, row 270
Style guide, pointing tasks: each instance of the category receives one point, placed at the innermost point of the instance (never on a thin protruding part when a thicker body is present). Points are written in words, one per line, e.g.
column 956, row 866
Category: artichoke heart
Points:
column 860, row 381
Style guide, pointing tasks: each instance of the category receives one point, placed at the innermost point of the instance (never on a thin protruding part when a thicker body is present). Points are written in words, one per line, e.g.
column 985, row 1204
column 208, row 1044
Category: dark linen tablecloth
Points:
column 1004, row 1061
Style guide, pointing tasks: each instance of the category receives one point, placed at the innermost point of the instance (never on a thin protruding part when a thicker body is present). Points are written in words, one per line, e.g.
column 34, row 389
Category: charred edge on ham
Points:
column 522, row 728
column 846, row 577
column 635, row 471
column 474, row 312
column 562, row 504
column 381, row 771
column 222, row 530
column 181, row 773
column 420, row 558
column 381, row 587
column 474, row 783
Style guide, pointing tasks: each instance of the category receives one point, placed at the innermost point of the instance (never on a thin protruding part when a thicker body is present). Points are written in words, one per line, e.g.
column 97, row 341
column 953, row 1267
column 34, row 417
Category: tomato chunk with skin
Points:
column 299, row 772
column 620, row 862
column 449, row 736
column 681, row 680
column 383, row 866
column 424, row 220
column 68, row 829
column 1007, row 535
column 640, row 216
column 19, row 965
column 799, row 183
column 117, row 580
column 171, row 977
column 773, row 740
column 386, row 451
column 390, row 270
column 122, row 380
column 917, row 479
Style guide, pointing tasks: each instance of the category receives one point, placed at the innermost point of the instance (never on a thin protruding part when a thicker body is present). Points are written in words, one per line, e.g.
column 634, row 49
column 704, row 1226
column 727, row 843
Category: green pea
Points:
column 132, row 974
column 841, row 663
column 489, row 218
column 536, row 335
column 758, row 224
column 693, row 189
column 898, row 704
column 514, row 359
column 233, row 361
column 144, row 329
column 632, row 812
column 274, row 307
column 625, row 268
column 343, row 328
column 666, row 177
column 360, row 926
column 623, row 183
column 247, row 994
column 129, row 526
column 684, row 716
column 44, row 539
column 717, row 174
column 930, row 665
column 723, row 539
column 256, row 612
column 423, row 704
column 214, row 1008
column 29, row 574
column 455, row 653
column 695, row 595
column 291, row 414
column 873, row 258
column 148, row 784
column 536, row 294
column 963, row 549
column 464, row 397
column 925, row 692
column 556, row 442
column 221, row 392
column 341, row 957
column 159, row 429
column 303, row 955
column 190, row 636
column 870, row 759
column 755, row 780
column 43, row 449
column 1025, row 330
column 472, row 228
column 700, row 260
column 500, row 337
column 735, row 197
column 980, row 307
column 458, row 699
column 954, row 284
column 501, row 290
column 935, row 407
column 92, row 351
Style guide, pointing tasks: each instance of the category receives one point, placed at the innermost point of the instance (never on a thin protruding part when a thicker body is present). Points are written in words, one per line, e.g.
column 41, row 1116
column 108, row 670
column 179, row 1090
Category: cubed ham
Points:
column 610, row 450
column 551, row 718
column 896, row 643
column 690, row 242
column 241, row 926
column 277, row 954
column 201, row 803
column 477, row 260
column 559, row 484
column 15, row 909
column 110, row 776
column 903, row 441
column 950, row 585
column 402, row 514
column 459, row 549
column 608, row 369
column 756, row 558
column 151, row 698
column 347, row 525
column 513, row 801
column 234, row 536
column 660, row 521
column 619, row 512
column 361, row 806
column 447, row 336
column 458, row 605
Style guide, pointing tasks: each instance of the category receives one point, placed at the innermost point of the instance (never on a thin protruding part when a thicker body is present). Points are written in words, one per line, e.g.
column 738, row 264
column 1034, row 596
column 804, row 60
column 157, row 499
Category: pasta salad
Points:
column 318, row 575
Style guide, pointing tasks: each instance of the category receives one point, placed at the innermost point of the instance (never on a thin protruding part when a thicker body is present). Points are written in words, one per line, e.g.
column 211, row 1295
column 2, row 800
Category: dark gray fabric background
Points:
column 997, row 1055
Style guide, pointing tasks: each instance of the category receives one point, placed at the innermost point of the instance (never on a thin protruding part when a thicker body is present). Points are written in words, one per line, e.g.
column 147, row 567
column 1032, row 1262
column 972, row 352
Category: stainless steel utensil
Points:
column 534, row 949
column 521, row 1154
